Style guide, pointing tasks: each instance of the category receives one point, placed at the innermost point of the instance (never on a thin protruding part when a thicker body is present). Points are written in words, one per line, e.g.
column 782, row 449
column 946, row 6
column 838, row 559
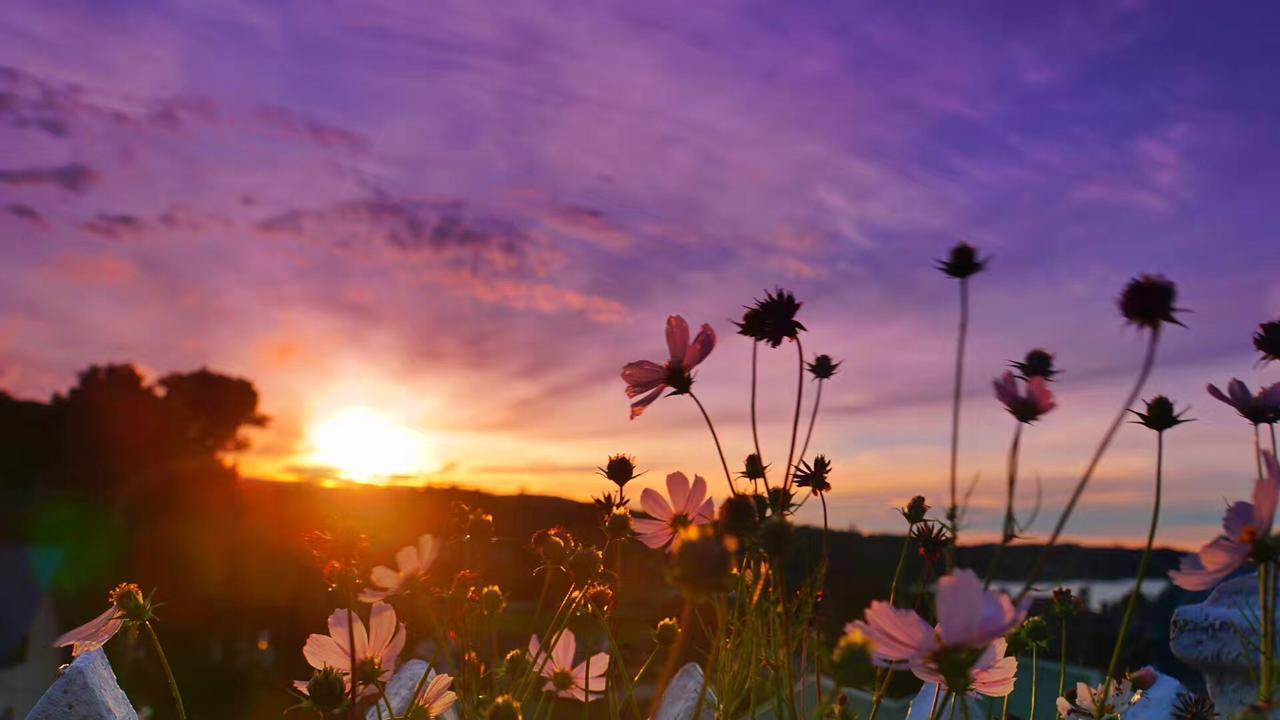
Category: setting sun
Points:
column 369, row 446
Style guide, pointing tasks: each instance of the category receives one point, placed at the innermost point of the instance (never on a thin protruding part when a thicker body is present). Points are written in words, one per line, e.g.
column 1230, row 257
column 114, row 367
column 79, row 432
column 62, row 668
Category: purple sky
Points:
column 470, row 215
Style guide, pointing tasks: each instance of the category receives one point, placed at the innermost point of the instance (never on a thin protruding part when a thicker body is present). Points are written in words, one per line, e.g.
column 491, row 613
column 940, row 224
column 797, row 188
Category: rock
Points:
column 400, row 691
column 681, row 697
column 922, row 705
column 87, row 690
column 1157, row 701
column 1211, row 637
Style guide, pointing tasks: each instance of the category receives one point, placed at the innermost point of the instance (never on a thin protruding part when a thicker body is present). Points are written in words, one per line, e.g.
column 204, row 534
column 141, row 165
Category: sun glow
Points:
column 366, row 445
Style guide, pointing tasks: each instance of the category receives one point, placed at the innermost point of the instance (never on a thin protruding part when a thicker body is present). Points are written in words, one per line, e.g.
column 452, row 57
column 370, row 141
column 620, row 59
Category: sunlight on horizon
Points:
column 366, row 445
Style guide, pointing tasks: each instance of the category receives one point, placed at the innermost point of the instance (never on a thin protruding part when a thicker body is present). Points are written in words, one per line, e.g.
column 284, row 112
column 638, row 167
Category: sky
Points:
column 466, row 217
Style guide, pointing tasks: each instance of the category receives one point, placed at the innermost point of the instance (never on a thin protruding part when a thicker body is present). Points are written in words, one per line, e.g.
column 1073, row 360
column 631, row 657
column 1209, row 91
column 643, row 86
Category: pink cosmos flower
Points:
column 1243, row 524
column 688, row 506
column 1027, row 408
column 650, row 379
column 126, row 602
column 436, row 698
column 413, row 563
column 1259, row 409
column 969, row 618
column 1087, row 703
column 565, row 680
column 375, row 651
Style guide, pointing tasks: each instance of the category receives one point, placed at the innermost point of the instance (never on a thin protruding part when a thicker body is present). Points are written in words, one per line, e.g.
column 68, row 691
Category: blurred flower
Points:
column 701, row 561
column 965, row 650
column 413, row 562
column 649, row 379
column 853, row 658
column 1064, row 604
column 607, row 503
column 776, row 536
column 1194, row 706
column 1037, row 363
column 617, row 524
column 492, row 601
column 1245, row 527
column 1033, row 633
column 504, row 707
column 823, row 367
column 1148, row 301
column 620, row 469
column 585, row 564
column 932, row 539
column 915, row 510
column 1160, row 415
column 1144, row 678
column 962, row 262
column 737, row 516
column 1267, row 341
column 339, row 551
column 753, row 468
column 1027, row 408
column 553, row 544
column 326, row 691
column 127, row 606
column 666, row 632
column 375, row 651
column 516, row 663
column 436, row 698
column 772, row 319
column 1260, row 409
column 1086, row 703
column 600, row 598
column 563, row 678
column 814, row 476
column 780, row 500
column 688, row 506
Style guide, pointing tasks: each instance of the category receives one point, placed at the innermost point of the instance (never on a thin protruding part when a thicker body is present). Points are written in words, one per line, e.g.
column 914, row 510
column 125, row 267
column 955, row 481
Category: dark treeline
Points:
column 125, row 479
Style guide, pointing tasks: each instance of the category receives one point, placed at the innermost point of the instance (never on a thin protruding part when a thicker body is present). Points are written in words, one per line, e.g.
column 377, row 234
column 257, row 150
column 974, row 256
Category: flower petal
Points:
column 678, row 491
column 653, row 533
column 93, row 634
column 637, row 407
column 701, row 347
column 407, row 560
column 428, row 551
column 562, row 653
column 697, row 493
column 677, row 337
column 338, row 630
column 642, row 376
column 322, row 650
column 382, row 625
column 656, row 505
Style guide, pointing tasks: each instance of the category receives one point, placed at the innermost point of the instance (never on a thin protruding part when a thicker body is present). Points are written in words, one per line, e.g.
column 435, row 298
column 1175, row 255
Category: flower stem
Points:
column 1142, row 570
column 1034, row 668
column 813, row 418
column 1144, row 372
column 755, row 432
column 1266, row 602
column 962, row 334
column 168, row 672
column 1257, row 449
column 351, row 647
column 1010, row 524
column 881, row 688
column 897, row 572
column 711, row 426
column 795, row 420
column 1062, row 657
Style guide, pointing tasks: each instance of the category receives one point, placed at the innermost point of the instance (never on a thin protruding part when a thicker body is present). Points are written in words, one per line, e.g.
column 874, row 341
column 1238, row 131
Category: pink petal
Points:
column 428, row 551
column 407, row 560
column 960, row 608
column 705, row 514
column 642, row 376
column 1239, row 515
column 1265, row 493
column 562, row 653
column 385, row 577
column 1239, row 392
column 696, row 495
column 702, row 346
column 656, row 505
column 338, row 630
column 897, row 634
column 323, row 650
column 678, row 491
column 637, row 407
column 1217, row 394
column 677, row 337
column 1210, row 566
column 93, row 634
column 369, row 595
column 653, row 533
column 998, row 679
column 382, row 625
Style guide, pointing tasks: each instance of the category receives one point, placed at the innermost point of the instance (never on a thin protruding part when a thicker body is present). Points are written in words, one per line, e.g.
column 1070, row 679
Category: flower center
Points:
column 368, row 671
column 1249, row 535
column 562, row 679
column 677, row 378
column 680, row 521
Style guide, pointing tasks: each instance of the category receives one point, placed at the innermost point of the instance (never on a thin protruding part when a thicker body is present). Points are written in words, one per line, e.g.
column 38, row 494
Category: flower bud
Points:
column 737, row 516
column 852, row 659
column 1160, row 414
column 667, row 631
column 620, row 469
column 1267, row 341
column 516, row 663
column 1148, row 301
column 962, row 262
column 617, row 525
column 823, row 367
column 1064, row 603
column 776, row 536
column 1037, row 363
column 753, row 468
column 701, row 562
column 480, row 527
column 504, row 707
column 915, row 510
column 327, row 690
column 600, row 598
column 585, row 564
column 127, row 597
column 492, row 601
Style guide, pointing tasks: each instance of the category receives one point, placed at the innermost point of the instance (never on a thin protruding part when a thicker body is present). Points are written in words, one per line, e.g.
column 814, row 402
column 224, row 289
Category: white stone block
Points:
column 923, row 704
column 681, row 696
column 86, row 691
column 1214, row 637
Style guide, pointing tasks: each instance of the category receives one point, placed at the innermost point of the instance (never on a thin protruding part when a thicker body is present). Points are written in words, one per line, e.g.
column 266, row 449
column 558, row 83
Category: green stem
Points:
column 1062, row 657
column 711, row 426
column 1010, row 524
column 1143, row 373
column 168, row 672
column 1004, row 710
column 617, row 660
column 897, row 572
column 351, row 646
column 795, row 420
column 1034, row 669
column 711, row 658
column 755, row 433
column 953, row 511
column 1142, row 570
column 786, row 643
column 813, row 419
column 881, row 688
